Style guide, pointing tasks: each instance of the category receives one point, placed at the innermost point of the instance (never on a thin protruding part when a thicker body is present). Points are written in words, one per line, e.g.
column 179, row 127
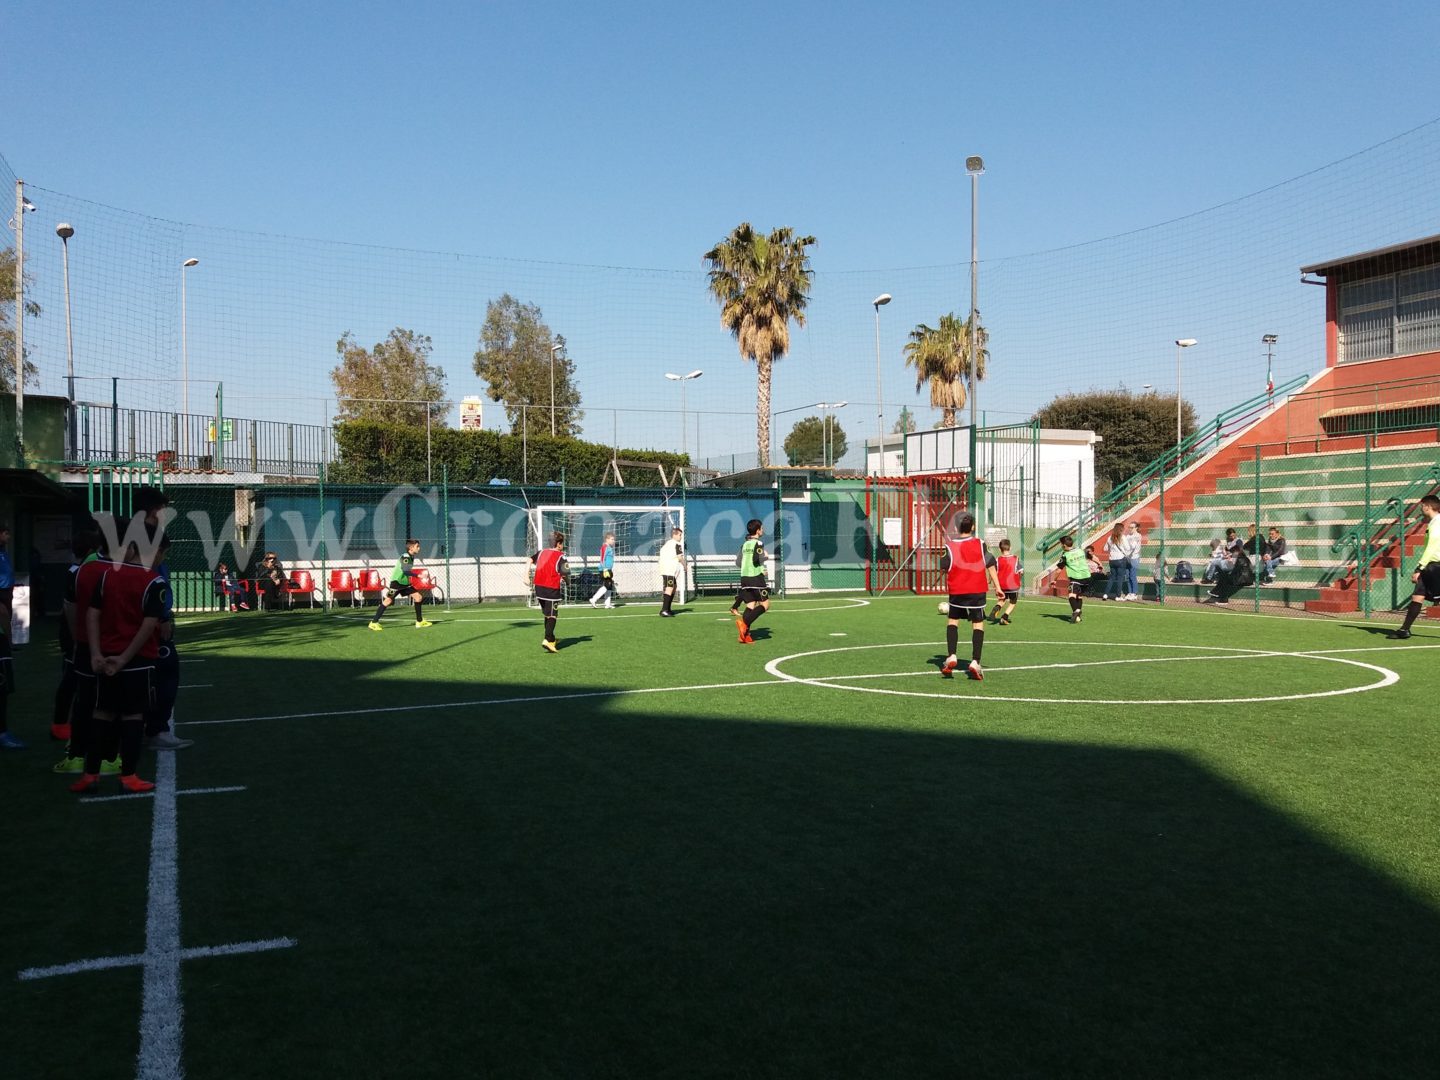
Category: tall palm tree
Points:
column 940, row 355
column 761, row 283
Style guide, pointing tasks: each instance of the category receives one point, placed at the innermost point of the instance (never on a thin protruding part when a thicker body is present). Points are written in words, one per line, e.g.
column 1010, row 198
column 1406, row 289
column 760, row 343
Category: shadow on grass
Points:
column 640, row 886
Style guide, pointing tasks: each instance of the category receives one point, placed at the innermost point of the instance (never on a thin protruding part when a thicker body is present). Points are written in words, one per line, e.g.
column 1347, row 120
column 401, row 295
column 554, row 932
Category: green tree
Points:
column 761, row 283
column 520, row 360
column 905, row 424
column 7, row 323
column 940, row 356
column 815, row 441
column 1135, row 428
column 394, row 381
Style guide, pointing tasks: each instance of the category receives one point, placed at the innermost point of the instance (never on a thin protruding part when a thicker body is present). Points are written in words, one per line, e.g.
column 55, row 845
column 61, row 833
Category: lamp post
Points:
column 682, row 380
column 65, row 231
column 23, row 206
column 827, row 439
column 556, row 348
column 185, row 365
column 974, row 166
column 1269, row 341
column 1181, row 344
column 879, row 302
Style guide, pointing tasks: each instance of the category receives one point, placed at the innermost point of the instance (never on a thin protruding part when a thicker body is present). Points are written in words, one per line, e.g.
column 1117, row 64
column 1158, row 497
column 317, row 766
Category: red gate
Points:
column 909, row 519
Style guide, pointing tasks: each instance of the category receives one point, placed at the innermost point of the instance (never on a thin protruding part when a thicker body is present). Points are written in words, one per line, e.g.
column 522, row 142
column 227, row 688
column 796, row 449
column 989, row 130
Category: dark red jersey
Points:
column 1007, row 568
column 549, row 568
column 126, row 596
column 86, row 580
column 965, row 571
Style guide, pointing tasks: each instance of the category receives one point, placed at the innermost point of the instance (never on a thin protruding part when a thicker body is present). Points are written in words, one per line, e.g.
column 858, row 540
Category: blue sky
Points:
column 637, row 134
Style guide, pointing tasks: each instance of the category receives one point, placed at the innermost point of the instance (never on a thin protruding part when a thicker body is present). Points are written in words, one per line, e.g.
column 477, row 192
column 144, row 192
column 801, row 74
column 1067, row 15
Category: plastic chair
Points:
column 423, row 580
column 342, row 583
column 301, row 583
column 370, row 581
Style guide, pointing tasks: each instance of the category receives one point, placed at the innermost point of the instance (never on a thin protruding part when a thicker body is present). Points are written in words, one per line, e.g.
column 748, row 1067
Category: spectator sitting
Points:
column 1275, row 551
column 229, row 589
column 1097, row 570
column 270, row 581
column 1254, row 546
column 1239, row 575
column 1220, row 558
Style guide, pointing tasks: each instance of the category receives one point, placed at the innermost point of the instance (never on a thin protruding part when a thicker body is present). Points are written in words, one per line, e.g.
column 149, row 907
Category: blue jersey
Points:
column 7, row 571
column 607, row 557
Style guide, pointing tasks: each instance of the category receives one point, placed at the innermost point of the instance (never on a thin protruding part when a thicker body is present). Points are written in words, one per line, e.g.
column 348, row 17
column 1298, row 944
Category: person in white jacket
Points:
column 1133, row 542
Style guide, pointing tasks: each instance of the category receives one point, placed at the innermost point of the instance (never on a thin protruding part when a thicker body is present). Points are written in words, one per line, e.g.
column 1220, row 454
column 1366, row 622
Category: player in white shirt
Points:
column 672, row 554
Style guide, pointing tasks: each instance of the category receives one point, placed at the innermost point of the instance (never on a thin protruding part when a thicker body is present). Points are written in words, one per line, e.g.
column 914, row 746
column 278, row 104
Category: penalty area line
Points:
column 107, row 963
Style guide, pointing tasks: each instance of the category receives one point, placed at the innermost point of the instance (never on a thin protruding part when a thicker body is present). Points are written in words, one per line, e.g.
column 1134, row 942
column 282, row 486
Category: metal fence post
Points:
column 1259, row 535
column 445, row 535
column 324, row 582
column 1160, row 577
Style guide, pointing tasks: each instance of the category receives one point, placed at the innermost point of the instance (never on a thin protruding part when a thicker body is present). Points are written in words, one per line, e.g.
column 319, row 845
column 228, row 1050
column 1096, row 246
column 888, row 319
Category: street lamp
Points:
column 1269, row 341
column 1181, row 344
column 682, row 380
column 556, row 348
column 974, row 166
column 879, row 302
column 827, row 439
column 65, row 231
column 185, row 365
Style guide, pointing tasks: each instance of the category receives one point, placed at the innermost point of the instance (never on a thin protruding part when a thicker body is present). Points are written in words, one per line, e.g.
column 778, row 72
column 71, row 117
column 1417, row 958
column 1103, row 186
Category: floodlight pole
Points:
column 1181, row 344
column 22, row 204
column 65, row 231
column 185, row 364
column 879, row 302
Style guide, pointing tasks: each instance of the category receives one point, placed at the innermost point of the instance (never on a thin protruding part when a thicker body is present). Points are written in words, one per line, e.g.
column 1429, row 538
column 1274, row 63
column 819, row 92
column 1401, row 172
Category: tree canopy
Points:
column 518, row 357
column 7, row 322
column 1135, row 428
column 940, row 356
column 393, row 381
column 815, row 441
column 762, row 284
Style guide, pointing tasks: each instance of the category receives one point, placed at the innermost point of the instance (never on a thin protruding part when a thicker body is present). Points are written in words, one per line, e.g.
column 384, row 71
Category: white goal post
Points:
column 639, row 532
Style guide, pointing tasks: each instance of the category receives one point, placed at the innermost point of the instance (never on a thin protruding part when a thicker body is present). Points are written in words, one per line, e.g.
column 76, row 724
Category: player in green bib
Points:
column 401, row 585
column 754, row 591
column 1072, row 561
column 1427, row 570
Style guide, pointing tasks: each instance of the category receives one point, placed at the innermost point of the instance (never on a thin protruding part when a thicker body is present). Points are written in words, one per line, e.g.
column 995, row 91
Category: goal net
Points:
column 639, row 532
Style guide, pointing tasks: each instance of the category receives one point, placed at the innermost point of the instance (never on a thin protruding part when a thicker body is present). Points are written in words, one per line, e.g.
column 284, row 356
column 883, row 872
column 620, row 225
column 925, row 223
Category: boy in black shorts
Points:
column 548, row 572
column 123, row 624
column 969, row 578
column 401, row 585
column 1009, row 573
column 754, row 590
column 1077, row 569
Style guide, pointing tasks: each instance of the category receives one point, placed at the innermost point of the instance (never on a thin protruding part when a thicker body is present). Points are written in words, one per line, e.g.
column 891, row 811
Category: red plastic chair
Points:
column 342, row 583
column 370, row 582
column 301, row 583
column 423, row 580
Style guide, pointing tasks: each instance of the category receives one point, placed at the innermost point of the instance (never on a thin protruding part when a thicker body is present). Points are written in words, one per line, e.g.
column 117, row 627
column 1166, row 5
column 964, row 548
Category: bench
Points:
column 724, row 578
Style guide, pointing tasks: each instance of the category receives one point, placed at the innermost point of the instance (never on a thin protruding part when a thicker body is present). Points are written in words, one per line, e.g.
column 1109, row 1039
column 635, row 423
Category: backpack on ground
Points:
column 1183, row 572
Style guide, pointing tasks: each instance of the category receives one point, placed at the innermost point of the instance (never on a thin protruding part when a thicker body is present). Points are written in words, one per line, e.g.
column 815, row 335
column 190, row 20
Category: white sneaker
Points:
column 1133, row 596
column 609, row 606
column 167, row 740
column 593, row 604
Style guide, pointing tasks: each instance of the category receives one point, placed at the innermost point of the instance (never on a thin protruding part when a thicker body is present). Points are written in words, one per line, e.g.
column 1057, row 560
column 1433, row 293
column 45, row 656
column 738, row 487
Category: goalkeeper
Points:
column 607, row 574
column 401, row 585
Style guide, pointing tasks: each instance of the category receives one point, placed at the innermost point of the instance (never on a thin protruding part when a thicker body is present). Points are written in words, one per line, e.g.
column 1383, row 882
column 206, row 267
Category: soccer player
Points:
column 672, row 554
column 122, row 627
column 1008, row 572
column 82, row 547
column 548, row 572
column 607, row 573
column 7, row 677
column 754, row 591
column 79, row 588
column 401, row 585
column 969, row 576
column 1427, row 570
column 151, row 503
column 1077, row 569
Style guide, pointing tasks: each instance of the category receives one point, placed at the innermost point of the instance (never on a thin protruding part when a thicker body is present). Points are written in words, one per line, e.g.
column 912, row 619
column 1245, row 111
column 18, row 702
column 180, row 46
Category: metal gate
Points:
column 909, row 519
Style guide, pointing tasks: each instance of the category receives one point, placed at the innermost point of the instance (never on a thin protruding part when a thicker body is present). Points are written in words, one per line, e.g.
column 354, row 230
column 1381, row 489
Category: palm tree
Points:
column 940, row 355
column 761, row 283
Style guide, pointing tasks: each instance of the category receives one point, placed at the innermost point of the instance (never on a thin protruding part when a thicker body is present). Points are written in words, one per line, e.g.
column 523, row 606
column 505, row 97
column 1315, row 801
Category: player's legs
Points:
column 1427, row 588
column 667, row 594
column 419, row 598
column 64, row 695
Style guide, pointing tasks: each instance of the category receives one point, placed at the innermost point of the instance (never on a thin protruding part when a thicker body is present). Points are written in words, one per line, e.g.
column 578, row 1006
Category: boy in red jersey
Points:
column 1008, row 572
column 79, row 588
column 549, row 571
column 122, row 628
column 969, row 577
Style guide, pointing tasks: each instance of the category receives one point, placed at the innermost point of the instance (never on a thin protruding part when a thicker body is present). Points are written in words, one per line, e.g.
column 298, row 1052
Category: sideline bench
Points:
column 723, row 578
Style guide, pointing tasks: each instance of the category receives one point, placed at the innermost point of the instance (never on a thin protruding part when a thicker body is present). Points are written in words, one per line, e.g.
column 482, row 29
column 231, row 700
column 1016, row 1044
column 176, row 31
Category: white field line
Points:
column 105, row 963
column 930, row 672
column 379, row 710
column 161, row 1008
column 151, row 794
column 197, row 686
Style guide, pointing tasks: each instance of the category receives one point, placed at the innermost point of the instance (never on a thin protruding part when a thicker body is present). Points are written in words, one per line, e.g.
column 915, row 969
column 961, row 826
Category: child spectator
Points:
column 229, row 589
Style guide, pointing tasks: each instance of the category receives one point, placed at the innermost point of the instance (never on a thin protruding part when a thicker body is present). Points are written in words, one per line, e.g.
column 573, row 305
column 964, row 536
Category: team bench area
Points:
column 715, row 576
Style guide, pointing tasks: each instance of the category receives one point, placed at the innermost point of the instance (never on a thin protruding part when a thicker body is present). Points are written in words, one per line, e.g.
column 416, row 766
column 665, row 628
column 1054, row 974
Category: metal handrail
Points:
column 1138, row 487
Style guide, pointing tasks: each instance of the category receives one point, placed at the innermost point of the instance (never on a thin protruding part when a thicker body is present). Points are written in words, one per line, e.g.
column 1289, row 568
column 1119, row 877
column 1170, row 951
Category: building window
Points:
column 1394, row 315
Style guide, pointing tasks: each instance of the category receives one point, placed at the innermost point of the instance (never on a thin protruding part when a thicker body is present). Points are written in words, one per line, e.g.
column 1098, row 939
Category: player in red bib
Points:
column 549, row 572
column 1008, row 572
column 969, row 578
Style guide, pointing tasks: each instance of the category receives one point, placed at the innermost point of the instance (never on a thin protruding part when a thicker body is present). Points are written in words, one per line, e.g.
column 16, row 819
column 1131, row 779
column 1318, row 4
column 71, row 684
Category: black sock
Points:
column 952, row 639
column 379, row 610
column 100, row 733
column 977, row 642
column 1412, row 613
column 751, row 614
column 418, row 616
column 64, row 693
column 4, row 711
column 665, row 601
column 1074, row 604
column 131, row 730
column 1079, row 603
column 550, row 628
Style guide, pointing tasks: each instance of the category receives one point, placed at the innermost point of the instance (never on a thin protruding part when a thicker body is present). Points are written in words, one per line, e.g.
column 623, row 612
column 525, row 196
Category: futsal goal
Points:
column 639, row 532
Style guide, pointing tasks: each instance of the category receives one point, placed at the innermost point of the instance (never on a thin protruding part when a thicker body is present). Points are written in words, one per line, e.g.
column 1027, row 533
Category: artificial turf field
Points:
column 1161, row 843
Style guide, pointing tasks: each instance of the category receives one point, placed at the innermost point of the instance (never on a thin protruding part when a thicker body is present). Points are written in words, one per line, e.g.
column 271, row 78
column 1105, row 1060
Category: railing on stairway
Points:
column 1388, row 526
column 1175, row 460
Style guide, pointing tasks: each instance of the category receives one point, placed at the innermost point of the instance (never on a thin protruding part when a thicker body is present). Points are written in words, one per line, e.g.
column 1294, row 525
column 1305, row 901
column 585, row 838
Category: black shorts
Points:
column 7, row 675
column 667, row 581
column 549, row 599
column 1429, row 583
column 968, row 606
column 753, row 590
column 1013, row 595
column 129, row 692
column 397, row 589
column 1079, row 588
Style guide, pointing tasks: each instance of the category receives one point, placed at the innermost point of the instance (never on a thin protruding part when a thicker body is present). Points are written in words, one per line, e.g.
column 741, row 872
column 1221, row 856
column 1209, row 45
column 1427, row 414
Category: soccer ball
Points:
column 944, row 607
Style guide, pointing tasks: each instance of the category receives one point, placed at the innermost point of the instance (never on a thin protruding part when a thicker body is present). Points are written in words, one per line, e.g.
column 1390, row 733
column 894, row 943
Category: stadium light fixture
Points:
column 65, row 231
column 682, row 380
column 555, row 348
column 974, row 165
column 827, row 430
column 879, row 302
column 1181, row 344
column 185, row 363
